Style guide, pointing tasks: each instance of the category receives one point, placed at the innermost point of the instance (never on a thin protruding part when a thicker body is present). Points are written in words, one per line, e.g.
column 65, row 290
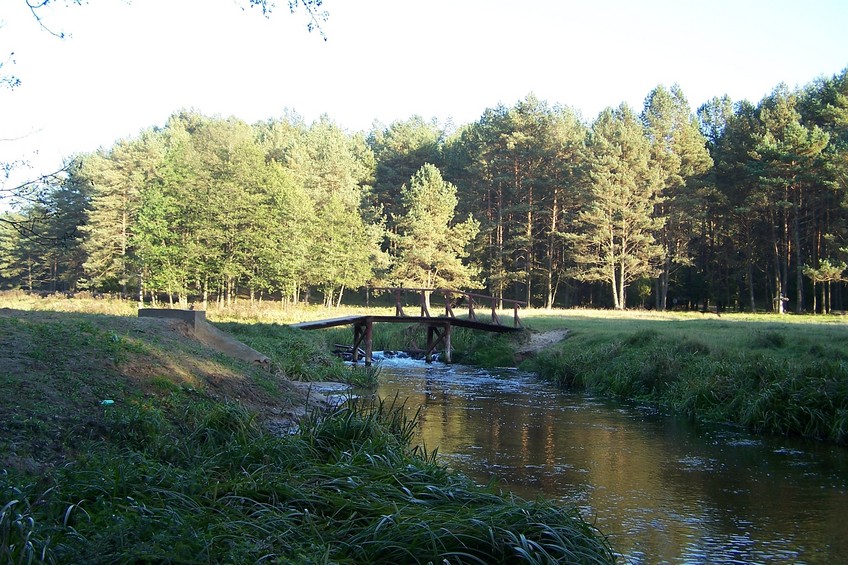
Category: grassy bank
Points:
column 782, row 375
column 212, row 486
column 124, row 440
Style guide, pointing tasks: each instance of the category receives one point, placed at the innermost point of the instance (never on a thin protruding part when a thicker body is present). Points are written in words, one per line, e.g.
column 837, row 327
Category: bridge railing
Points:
column 454, row 300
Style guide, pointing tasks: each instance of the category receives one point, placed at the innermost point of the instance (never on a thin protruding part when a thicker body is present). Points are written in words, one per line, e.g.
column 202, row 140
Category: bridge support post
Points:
column 447, row 340
column 438, row 335
column 363, row 332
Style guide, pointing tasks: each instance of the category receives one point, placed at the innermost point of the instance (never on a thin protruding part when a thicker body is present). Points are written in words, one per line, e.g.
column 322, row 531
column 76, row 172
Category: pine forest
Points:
column 733, row 206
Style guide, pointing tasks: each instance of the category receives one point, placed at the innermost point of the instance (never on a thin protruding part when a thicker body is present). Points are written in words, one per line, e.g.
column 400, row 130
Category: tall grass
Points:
column 166, row 473
column 189, row 483
column 783, row 378
column 20, row 541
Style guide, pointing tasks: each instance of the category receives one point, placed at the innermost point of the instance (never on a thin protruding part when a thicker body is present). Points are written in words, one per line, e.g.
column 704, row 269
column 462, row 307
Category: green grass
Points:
column 198, row 482
column 300, row 355
column 782, row 375
column 189, row 465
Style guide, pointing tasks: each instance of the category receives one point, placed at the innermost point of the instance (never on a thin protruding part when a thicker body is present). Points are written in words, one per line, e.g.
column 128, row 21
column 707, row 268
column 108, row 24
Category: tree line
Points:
column 733, row 205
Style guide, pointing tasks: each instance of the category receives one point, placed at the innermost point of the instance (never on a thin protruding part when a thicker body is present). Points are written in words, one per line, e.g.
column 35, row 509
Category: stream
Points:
column 663, row 489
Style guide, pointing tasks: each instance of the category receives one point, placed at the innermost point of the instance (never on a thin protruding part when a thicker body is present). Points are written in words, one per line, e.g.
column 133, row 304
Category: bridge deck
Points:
column 438, row 327
column 430, row 320
column 328, row 323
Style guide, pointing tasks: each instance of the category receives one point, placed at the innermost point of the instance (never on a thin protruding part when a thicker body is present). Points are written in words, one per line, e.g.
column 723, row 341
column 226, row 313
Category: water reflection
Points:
column 663, row 489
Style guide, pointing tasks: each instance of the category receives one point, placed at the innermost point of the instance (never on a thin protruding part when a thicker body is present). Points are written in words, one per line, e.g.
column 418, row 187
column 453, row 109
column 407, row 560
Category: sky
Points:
column 126, row 65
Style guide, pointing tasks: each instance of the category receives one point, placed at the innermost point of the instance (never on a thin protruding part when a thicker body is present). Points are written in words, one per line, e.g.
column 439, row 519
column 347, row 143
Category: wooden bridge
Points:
column 438, row 326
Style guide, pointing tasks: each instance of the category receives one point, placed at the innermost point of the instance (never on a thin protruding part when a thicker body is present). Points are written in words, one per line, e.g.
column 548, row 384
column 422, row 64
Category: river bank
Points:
column 126, row 440
column 778, row 375
column 784, row 375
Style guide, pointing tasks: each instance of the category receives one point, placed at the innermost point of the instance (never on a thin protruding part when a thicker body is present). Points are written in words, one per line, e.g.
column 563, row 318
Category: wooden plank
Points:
column 369, row 342
column 358, row 336
column 461, row 322
column 329, row 323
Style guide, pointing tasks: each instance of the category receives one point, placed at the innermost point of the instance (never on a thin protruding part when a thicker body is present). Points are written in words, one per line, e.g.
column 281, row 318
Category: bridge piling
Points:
column 363, row 332
column 438, row 334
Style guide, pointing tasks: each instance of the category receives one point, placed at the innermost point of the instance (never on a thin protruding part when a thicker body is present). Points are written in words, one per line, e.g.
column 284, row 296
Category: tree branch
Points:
column 32, row 191
column 35, row 6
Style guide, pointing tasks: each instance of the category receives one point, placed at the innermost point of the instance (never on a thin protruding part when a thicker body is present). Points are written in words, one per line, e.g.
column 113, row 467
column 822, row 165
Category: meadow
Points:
column 780, row 374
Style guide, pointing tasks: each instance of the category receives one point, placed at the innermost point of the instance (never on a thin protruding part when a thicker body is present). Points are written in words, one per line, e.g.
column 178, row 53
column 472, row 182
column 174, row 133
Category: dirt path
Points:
column 538, row 342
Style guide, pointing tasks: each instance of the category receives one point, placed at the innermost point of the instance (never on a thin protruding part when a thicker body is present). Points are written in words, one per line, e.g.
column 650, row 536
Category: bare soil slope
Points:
column 538, row 342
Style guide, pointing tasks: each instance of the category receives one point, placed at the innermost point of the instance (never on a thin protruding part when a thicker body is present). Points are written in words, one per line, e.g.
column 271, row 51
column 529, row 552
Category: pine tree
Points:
column 400, row 150
column 614, row 242
column 431, row 246
column 344, row 246
column 118, row 178
column 680, row 156
column 783, row 160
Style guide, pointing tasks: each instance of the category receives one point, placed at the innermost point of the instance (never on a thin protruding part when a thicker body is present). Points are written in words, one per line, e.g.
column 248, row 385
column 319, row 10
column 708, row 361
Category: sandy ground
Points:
column 538, row 342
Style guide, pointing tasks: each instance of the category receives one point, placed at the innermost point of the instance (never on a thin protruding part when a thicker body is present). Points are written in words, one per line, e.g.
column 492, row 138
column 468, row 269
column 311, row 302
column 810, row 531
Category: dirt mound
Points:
column 195, row 322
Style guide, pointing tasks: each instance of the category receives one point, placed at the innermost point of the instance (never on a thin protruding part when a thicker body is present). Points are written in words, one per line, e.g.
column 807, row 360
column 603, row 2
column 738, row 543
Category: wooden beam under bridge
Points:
column 438, row 334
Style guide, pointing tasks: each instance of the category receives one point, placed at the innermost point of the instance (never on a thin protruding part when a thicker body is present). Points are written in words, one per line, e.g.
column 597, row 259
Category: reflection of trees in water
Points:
column 661, row 486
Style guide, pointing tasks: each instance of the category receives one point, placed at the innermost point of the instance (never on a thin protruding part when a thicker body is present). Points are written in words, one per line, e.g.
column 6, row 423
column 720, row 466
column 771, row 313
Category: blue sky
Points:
column 129, row 65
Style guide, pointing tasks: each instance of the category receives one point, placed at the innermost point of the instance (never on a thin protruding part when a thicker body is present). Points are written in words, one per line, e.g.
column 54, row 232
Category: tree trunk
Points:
column 618, row 288
column 784, row 264
column 796, row 236
column 518, row 187
column 814, row 296
column 778, row 282
column 664, row 276
column 614, row 284
column 499, row 246
column 140, row 290
column 828, row 299
column 550, row 292
column 124, row 224
column 750, row 274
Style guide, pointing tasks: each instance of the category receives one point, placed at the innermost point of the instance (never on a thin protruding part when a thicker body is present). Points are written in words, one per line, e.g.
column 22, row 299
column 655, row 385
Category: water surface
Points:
column 663, row 489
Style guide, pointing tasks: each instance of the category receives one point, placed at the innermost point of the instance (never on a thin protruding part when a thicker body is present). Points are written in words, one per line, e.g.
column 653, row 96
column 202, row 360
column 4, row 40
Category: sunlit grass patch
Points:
column 299, row 355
